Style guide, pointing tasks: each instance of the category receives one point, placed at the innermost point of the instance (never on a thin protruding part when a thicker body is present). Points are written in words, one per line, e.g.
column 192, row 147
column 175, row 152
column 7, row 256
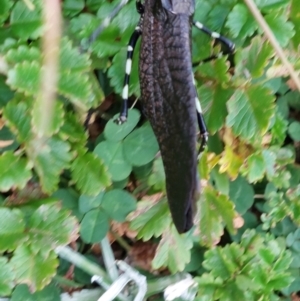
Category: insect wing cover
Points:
column 168, row 96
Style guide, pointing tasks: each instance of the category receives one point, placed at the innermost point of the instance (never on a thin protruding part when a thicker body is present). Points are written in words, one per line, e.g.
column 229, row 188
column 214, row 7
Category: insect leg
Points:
column 230, row 47
column 131, row 45
column 201, row 122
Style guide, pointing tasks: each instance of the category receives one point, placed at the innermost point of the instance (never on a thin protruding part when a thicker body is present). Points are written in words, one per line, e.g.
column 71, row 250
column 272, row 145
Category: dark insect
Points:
column 169, row 97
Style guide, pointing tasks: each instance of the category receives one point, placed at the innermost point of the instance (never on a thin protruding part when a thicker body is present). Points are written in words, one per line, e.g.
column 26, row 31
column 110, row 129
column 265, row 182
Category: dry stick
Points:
column 270, row 36
column 45, row 103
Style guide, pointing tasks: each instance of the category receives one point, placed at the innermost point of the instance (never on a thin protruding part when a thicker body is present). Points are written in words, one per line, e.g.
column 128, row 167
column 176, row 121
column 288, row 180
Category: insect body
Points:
column 169, row 98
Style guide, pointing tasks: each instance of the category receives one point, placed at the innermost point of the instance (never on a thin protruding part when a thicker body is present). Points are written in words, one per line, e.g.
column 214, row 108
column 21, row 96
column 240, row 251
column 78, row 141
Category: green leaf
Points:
column 36, row 269
column 5, row 93
column 140, row 146
column 25, row 77
column 17, row 115
column 23, row 53
column 89, row 174
column 152, row 219
column 118, row 204
column 281, row 28
column 116, row 132
column 213, row 101
column 12, row 226
column 294, row 130
column 55, row 122
column 215, row 209
column 256, row 167
column 76, row 86
column 157, row 177
column 25, row 23
column 168, row 256
column 223, row 262
column 50, row 158
column 15, row 171
column 215, row 69
column 86, row 203
column 256, row 57
column 240, row 22
column 51, row 226
column 242, row 194
column 72, row 7
column 22, row 293
column 94, row 226
column 279, row 129
column 71, row 60
column 6, row 277
column 248, row 116
column 7, row 140
column 112, row 155
column 4, row 13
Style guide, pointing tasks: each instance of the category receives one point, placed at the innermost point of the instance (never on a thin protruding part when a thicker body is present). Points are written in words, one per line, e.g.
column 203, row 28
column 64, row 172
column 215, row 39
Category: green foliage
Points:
column 250, row 170
column 251, row 270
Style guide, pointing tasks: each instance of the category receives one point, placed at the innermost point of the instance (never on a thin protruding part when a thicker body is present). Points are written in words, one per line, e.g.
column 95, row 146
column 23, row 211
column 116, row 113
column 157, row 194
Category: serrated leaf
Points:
column 72, row 130
column 89, row 174
column 25, row 77
column 25, row 23
column 76, row 86
column 112, row 155
column 86, row 203
column 215, row 210
column 51, row 226
column 6, row 277
column 248, row 116
column 71, row 60
column 240, row 22
column 17, row 114
column 213, row 102
column 94, row 226
column 257, row 57
column 55, row 122
column 279, row 129
column 12, row 226
column 49, row 158
column 36, row 269
column 168, row 256
column 152, row 220
column 118, row 204
column 15, row 171
column 23, row 53
column 157, row 178
column 282, row 29
column 140, row 146
column 256, row 168
column 216, row 69
column 230, row 162
column 223, row 262
column 116, row 132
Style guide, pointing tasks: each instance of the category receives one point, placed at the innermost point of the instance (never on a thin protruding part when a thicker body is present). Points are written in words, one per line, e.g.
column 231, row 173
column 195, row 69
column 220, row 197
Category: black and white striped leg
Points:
column 230, row 47
column 130, row 49
column 201, row 122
